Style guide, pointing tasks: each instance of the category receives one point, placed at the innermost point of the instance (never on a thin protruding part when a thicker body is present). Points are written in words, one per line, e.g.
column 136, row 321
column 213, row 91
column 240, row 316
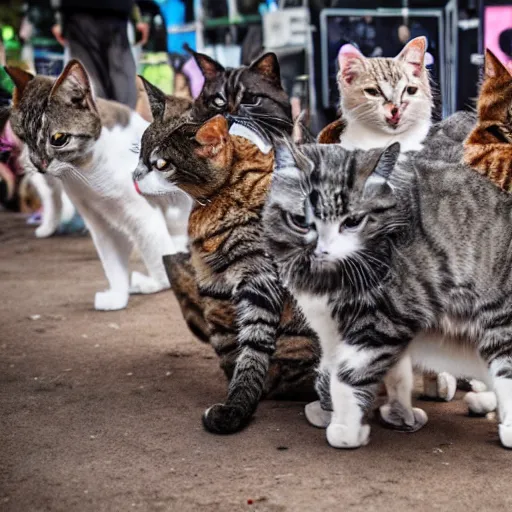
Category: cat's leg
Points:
column 398, row 413
column 176, row 216
column 441, row 386
column 114, row 249
column 149, row 231
column 49, row 190
column 319, row 412
column 480, row 403
column 354, row 383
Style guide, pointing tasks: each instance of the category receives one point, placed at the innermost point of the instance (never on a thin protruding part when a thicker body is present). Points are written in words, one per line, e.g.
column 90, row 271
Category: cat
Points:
column 242, row 302
column 393, row 261
column 384, row 100
column 253, row 92
column 91, row 145
column 488, row 148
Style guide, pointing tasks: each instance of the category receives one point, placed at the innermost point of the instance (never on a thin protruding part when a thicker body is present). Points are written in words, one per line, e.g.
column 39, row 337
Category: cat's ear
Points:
column 74, row 82
column 413, row 54
column 268, row 67
column 350, row 61
column 214, row 132
column 382, row 170
column 209, row 67
column 21, row 79
column 493, row 66
column 331, row 134
column 143, row 105
column 155, row 97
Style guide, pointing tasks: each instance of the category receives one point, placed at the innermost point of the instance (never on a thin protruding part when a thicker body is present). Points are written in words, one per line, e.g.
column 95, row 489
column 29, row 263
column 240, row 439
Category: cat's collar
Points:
column 242, row 130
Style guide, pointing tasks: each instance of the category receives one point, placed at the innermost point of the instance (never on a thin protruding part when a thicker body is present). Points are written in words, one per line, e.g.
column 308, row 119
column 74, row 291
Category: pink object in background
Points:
column 192, row 71
column 497, row 19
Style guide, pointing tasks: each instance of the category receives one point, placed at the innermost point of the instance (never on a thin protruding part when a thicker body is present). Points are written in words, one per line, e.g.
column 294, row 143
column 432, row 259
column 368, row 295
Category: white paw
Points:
column 44, row 231
column 446, row 386
column 481, row 403
column 142, row 283
column 506, row 435
column 317, row 416
column 110, row 300
column 341, row 436
column 402, row 419
column 477, row 386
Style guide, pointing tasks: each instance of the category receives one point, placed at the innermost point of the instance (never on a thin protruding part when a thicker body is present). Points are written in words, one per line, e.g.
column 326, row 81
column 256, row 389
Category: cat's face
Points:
column 389, row 95
column 495, row 100
column 57, row 120
column 253, row 91
column 331, row 216
column 194, row 158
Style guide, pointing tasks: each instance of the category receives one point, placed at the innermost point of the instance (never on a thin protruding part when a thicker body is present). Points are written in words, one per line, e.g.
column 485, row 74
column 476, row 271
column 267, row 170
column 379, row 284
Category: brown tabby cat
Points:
column 488, row 148
column 240, row 305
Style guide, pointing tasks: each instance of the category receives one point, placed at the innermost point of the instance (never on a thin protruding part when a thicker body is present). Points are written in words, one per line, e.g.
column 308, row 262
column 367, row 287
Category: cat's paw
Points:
column 224, row 419
column 110, row 300
column 477, row 386
column 141, row 283
column 317, row 416
column 342, row 436
column 446, row 386
column 505, row 432
column 398, row 418
column 479, row 404
column 45, row 230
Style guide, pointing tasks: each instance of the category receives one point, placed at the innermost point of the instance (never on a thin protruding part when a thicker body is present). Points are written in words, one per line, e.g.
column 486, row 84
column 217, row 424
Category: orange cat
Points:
column 488, row 148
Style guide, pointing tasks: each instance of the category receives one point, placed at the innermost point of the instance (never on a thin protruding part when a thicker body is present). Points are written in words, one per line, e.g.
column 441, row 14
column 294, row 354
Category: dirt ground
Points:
column 101, row 412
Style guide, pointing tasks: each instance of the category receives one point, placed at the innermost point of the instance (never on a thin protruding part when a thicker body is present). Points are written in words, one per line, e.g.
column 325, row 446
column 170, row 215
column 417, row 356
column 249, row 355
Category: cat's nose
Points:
column 394, row 111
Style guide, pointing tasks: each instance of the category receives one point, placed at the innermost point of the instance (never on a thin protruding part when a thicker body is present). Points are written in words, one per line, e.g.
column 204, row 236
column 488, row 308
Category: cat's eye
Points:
column 352, row 223
column 298, row 223
column 59, row 139
column 219, row 101
column 161, row 164
column 372, row 91
column 412, row 90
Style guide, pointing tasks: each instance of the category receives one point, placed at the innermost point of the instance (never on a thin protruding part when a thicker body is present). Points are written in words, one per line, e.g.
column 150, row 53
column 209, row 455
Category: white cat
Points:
column 91, row 145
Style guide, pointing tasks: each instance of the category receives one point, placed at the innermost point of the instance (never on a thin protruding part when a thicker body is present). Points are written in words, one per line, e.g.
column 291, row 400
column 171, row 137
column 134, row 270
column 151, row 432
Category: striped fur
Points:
column 424, row 275
column 488, row 149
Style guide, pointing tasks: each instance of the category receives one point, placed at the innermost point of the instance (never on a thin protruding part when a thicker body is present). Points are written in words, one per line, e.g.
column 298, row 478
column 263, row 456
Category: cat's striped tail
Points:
column 259, row 305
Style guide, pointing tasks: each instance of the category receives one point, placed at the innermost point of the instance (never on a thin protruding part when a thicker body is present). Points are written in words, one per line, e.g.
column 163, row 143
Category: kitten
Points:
column 488, row 149
column 392, row 262
column 245, row 307
column 91, row 145
column 385, row 100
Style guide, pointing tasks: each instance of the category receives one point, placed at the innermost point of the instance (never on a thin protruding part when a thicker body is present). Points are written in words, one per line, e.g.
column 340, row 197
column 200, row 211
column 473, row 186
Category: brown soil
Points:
column 101, row 412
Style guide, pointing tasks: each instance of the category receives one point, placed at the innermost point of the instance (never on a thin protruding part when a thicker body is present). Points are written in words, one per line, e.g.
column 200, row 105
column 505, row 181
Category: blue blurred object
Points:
column 75, row 226
column 173, row 12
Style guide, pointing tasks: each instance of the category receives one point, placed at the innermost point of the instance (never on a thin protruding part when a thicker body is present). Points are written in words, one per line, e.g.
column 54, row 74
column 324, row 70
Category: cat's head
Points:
column 495, row 100
column 386, row 94
column 253, row 91
column 332, row 216
column 56, row 119
column 194, row 158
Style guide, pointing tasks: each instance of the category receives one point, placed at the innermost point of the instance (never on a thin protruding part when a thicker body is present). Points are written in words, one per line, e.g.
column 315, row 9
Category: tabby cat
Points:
column 393, row 260
column 244, row 305
column 488, row 148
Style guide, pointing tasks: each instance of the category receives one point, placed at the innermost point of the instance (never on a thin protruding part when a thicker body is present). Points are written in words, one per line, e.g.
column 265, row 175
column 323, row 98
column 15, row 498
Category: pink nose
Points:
column 394, row 115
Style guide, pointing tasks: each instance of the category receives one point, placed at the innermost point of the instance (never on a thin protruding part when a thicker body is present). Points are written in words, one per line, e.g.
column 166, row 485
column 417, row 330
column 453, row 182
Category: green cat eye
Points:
column 372, row 91
column 59, row 139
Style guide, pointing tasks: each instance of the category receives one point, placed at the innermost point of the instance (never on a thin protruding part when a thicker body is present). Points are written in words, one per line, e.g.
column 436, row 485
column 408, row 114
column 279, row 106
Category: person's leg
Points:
column 84, row 36
column 121, row 65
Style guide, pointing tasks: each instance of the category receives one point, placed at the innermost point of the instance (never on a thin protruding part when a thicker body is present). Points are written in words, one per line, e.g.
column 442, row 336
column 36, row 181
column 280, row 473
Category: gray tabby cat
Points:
column 390, row 261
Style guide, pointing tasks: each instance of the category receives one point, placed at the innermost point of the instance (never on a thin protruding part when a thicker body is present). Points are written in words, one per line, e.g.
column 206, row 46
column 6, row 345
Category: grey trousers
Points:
column 101, row 44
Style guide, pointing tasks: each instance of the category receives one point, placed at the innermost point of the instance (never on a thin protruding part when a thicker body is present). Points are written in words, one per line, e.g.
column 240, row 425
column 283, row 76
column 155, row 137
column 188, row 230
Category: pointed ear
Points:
column 383, row 169
column 143, row 106
column 331, row 134
column 350, row 61
column 209, row 67
column 413, row 54
column 75, row 83
column 493, row 66
column 214, row 132
column 155, row 98
column 21, row 79
column 268, row 67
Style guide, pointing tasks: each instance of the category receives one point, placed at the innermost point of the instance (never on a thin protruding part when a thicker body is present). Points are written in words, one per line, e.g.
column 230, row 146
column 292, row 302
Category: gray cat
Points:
column 392, row 261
